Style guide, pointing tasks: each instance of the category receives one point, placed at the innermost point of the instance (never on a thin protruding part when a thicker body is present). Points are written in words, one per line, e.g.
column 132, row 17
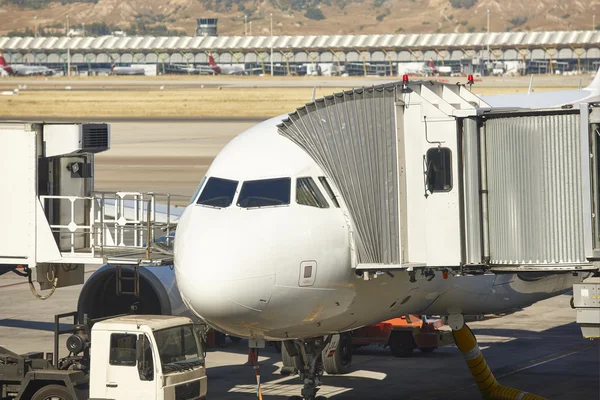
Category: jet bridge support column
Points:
column 486, row 381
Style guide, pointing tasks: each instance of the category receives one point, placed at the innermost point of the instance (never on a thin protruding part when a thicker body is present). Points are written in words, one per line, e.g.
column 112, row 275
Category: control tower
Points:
column 206, row 26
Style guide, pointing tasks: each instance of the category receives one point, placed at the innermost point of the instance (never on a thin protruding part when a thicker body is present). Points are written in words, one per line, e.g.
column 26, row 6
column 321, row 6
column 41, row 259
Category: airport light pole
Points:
column 488, row 37
column 250, row 28
column 271, row 44
column 68, row 50
column 594, row 22
column 245, row 25
column 35, row 32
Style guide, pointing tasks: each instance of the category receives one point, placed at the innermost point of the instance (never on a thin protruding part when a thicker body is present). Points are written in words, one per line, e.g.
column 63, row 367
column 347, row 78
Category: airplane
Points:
column 531, row 99
column 214, row 68
column 418, row 68
column 114, row 70
column 266, row 247
column 228, row 69
column 24, row 70
column 265, row 251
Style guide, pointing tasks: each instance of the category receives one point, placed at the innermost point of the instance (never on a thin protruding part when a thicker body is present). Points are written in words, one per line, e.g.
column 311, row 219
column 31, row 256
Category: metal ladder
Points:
column 121, row 279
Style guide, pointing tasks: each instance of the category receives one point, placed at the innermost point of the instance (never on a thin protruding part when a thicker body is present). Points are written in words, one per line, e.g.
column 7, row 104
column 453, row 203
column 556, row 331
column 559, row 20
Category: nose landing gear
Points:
column 309, row 362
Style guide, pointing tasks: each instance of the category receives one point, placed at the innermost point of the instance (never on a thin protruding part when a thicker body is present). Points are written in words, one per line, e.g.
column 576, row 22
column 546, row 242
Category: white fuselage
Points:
column 31, row 70
column 242, row 269
column 127, row 71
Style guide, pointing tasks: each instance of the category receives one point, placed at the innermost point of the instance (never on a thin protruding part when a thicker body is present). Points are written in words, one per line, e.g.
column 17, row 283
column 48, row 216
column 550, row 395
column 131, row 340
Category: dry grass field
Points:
column 206, row 102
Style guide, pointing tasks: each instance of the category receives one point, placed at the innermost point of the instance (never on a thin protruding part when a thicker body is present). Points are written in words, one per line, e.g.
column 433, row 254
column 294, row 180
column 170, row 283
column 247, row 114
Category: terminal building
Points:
column 498, row 52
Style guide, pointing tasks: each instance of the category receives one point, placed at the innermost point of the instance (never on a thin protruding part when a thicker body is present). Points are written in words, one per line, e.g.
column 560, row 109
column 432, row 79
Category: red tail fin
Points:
column 4, row 66
column 431, row 64
column 211, row 61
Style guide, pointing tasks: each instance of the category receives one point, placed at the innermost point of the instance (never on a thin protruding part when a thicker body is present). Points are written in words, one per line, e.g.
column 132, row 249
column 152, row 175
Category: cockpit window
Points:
column 218, row 192
column 200, row 186
column 308, row 194
column 325, row 184
column 265, row 193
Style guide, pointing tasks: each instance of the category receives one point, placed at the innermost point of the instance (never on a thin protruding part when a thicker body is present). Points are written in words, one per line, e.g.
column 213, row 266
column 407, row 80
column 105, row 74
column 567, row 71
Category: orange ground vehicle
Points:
column 403, row 335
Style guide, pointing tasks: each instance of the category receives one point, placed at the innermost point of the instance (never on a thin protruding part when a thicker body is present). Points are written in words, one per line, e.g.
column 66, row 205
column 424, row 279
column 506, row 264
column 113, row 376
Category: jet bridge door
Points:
column 539, row 189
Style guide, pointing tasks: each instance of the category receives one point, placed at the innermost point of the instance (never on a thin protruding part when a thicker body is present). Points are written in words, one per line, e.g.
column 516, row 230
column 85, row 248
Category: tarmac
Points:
column 182, row 82
column 538, row 349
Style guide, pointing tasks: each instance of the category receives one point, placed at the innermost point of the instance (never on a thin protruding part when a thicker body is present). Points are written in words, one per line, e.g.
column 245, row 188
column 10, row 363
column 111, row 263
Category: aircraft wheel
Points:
column 402, row 343
column 427, row 349
column 220, row 339
column 339, row 362
column 291, row 365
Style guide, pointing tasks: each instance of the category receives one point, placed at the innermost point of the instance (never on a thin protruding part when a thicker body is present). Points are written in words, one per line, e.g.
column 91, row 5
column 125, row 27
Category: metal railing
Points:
column 113, row 222
column 70, row 226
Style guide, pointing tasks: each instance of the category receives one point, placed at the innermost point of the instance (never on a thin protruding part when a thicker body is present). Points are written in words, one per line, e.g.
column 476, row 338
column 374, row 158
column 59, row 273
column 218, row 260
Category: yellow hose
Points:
column 488, row 385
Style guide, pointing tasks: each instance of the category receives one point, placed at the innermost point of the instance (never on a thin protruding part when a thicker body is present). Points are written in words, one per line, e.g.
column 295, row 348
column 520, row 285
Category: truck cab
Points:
column 146, row 357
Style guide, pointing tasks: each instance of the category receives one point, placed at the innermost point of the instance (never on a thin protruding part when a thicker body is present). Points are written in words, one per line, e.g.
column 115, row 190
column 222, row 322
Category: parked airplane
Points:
column 417, row 68
column 24, row 70
column 532, row 99
column 214, row 68
column 267, row 248
column 114, row 70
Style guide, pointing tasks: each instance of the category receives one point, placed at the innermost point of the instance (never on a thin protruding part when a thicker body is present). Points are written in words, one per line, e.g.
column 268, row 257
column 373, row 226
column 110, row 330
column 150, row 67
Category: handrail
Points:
column 118, row 220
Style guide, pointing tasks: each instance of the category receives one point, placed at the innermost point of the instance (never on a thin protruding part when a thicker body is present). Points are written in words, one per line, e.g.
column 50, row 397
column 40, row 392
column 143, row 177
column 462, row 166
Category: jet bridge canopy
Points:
column 356, row 137
column 431, row 176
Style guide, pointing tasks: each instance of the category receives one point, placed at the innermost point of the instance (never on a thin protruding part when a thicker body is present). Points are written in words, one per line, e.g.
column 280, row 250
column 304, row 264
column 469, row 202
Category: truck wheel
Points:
column 402, row 343
column 291, row 365
column 52, row 392
column 338, row 362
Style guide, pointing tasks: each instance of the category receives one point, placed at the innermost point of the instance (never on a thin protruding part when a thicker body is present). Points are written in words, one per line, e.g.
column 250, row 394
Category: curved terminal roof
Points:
column 338, row 42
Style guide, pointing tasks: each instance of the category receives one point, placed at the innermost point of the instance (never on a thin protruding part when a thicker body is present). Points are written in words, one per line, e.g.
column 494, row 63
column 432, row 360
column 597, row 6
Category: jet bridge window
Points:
column 308, row 194
column 218, row 192
column 265, row 193
column 439, row 170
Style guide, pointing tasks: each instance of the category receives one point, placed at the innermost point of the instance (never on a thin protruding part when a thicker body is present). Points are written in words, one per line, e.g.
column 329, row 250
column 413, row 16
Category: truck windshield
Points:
column 178, row 348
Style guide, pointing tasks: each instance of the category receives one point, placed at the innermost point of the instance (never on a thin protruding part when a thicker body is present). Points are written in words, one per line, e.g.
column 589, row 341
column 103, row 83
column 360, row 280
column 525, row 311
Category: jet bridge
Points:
column 54, row 223
column 431, row 176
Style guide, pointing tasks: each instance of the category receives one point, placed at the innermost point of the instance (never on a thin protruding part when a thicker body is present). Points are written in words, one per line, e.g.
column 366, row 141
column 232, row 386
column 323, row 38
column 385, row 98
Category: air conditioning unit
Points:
column 70, row 139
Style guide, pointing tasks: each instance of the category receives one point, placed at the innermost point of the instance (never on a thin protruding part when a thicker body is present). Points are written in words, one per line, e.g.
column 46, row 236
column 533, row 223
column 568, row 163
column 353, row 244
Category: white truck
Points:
column 132, row 357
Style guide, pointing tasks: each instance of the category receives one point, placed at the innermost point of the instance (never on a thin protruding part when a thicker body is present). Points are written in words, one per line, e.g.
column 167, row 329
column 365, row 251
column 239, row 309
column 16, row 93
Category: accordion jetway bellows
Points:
column 352, row 136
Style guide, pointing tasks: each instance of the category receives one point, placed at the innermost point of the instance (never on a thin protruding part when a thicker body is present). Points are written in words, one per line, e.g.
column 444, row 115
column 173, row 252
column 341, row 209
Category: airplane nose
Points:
column 220, row 272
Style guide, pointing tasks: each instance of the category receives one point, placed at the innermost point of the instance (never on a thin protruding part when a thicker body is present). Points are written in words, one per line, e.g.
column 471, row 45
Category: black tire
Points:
column 402, row 343
column 220, row 340
column 339, row 362
column 277, row 346
column 235, row 339
column 52, row 392
column 427, row 349
column 291, row 365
